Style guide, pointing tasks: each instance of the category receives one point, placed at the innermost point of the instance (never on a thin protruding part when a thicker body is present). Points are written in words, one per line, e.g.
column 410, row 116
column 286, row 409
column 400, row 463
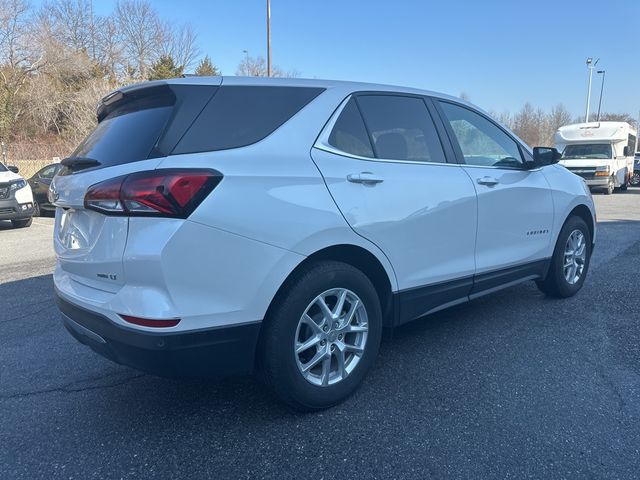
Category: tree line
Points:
column 57, row 60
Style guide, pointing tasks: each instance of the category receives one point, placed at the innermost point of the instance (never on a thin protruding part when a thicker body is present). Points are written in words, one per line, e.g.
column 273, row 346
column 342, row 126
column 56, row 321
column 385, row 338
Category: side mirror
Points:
column 13, row 169
column 625, row 151
column 545, row 156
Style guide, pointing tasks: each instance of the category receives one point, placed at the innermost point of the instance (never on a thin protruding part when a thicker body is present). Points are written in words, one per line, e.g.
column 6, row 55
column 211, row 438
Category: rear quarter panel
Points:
column 272, row 192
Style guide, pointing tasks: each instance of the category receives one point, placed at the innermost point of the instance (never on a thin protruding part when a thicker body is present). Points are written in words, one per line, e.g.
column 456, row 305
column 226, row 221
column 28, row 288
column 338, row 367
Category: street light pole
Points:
column 268, row 38
column 590, row 65
column 604, row 73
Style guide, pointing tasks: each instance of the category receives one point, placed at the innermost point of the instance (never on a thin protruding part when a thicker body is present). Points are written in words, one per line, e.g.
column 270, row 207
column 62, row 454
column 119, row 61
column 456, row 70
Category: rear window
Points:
column 2, row 168
column 241, row 115
column 124, row 138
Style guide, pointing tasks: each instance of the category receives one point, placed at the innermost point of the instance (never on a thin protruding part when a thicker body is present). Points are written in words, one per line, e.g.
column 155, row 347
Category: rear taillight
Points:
column 156, row 193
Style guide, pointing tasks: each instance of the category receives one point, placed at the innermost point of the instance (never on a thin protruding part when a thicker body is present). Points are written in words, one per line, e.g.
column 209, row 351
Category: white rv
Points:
column 600, row 152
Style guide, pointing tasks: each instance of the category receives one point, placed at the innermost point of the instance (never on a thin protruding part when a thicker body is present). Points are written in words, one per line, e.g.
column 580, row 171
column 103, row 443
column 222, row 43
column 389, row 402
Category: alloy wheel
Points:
column 331, row 337
column 575, row 255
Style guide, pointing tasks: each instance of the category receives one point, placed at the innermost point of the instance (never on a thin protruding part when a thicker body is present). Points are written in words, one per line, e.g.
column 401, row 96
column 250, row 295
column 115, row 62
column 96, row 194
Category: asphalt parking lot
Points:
column 513, row 385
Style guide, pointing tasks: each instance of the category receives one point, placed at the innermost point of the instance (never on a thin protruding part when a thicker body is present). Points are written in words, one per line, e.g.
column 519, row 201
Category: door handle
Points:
column 489, row 181
column 366, row 178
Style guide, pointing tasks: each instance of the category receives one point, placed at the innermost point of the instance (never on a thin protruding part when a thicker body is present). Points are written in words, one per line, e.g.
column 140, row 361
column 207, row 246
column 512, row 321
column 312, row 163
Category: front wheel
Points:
column 635, row 179
column 570, row 261
column 321, row 336
column 611, row 186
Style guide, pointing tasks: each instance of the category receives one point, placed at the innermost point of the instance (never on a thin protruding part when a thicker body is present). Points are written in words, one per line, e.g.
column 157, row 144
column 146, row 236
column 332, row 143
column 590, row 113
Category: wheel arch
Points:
column 358, row 257
column 584, row 212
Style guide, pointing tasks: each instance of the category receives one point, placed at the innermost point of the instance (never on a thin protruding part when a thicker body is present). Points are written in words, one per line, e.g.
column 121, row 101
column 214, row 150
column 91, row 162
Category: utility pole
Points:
column 590, row 65
column 93, row 32
column 268, row 38
column 604, row 73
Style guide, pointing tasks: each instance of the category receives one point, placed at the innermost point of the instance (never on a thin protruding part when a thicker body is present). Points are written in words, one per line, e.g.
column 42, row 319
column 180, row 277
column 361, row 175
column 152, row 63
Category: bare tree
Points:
column 257, row 67
column 558, row 117
column 615, row 117
column 19, row 59
column 529, row 125
column 179, row 43
column 142, row 34
column 71, row 22
column 110, row 51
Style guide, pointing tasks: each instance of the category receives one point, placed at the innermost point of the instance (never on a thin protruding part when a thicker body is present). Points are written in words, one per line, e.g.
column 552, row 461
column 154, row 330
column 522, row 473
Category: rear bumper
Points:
column 10, row 209
column 196, row 353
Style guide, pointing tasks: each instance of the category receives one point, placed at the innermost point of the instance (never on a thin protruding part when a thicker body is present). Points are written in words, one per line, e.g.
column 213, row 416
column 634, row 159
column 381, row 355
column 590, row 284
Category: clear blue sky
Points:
column 501, row 53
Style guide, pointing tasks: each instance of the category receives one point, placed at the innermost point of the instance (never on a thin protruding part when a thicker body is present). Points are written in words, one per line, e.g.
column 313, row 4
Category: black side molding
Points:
column 417, row 302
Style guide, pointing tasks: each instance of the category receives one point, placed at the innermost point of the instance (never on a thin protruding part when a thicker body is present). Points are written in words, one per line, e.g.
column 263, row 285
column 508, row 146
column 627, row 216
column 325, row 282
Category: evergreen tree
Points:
column 165, row 68
column 206, row 68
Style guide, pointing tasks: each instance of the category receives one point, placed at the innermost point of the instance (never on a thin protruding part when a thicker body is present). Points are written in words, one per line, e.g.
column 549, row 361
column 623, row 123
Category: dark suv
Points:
column 635, row 178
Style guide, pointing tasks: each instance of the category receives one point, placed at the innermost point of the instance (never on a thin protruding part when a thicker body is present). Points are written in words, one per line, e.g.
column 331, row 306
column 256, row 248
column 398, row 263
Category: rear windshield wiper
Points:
column 79, row 163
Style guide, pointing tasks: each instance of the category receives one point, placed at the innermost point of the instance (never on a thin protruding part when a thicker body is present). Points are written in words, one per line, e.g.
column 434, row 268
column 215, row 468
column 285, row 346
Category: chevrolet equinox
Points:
column 230, row 225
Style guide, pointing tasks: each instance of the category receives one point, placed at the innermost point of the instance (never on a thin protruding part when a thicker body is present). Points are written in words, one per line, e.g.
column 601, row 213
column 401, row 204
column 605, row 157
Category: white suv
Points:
column 232, row 225
column 16, row 198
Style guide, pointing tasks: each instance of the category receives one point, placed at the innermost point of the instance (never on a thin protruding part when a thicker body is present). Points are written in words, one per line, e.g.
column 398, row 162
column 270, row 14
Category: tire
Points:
column 556, row 283
column 610, row 186
column 635, row 179
column 624, row 186
column 36, row 209
column 281, row 367
column 22, row 223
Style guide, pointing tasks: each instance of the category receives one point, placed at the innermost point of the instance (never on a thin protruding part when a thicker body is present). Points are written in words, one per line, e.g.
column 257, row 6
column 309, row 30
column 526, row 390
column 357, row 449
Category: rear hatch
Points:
column 138, row 126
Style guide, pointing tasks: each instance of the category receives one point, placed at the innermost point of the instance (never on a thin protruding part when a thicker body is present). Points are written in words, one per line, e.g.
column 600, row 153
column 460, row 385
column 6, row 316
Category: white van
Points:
column 599, row 152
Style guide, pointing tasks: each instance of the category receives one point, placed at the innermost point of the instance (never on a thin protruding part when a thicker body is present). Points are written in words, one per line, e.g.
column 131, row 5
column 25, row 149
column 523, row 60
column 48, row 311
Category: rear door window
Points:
column 238, row 116
column 401, row 128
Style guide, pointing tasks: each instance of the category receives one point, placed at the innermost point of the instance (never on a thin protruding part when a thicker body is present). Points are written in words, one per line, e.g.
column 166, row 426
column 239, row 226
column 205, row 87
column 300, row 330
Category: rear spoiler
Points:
column 144, row 95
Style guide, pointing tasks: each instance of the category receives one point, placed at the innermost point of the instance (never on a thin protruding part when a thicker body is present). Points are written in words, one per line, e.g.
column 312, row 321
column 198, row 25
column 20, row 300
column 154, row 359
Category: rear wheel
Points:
column 624, row 186
column 570, row 261
column 321, row 336
column 635, row 179
column 21, row 223
column 36, row 209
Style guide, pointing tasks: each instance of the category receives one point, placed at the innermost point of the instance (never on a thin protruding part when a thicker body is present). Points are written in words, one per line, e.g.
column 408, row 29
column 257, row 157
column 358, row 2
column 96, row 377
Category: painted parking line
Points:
column 43, row 223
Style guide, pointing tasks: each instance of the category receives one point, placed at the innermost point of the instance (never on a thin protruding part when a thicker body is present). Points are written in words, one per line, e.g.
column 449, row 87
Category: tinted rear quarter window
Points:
column 238, row 116
column 349, row 134
column 401, row 128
